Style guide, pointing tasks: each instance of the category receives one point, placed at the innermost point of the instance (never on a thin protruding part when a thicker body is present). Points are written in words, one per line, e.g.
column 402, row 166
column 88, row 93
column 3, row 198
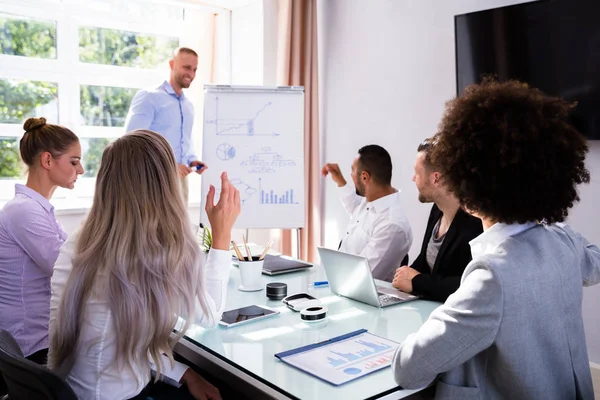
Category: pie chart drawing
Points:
column 352, row 371
column 225, row 151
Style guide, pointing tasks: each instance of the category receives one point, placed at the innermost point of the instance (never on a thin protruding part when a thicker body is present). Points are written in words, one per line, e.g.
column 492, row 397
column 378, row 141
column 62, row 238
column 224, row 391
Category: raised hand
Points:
column 336, row 174
column 223, row 215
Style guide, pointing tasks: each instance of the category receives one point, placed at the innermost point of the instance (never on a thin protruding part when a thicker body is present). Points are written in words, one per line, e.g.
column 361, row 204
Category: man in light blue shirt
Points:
column 167, row 111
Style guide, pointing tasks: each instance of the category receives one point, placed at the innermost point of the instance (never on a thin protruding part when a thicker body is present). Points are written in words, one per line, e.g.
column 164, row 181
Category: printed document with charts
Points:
column 343, row 358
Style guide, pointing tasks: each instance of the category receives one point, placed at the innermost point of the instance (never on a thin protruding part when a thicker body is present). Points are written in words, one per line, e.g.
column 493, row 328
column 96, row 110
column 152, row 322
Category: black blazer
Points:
column 452, row 259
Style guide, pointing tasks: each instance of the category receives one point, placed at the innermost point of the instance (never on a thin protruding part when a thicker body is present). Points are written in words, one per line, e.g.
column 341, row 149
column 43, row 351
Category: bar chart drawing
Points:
column 238, row 126
column 270, row 197
column 369, row 349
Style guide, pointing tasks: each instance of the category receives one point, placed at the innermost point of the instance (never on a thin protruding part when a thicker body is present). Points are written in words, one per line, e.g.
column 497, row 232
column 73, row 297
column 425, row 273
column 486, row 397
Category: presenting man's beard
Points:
column 181, row 81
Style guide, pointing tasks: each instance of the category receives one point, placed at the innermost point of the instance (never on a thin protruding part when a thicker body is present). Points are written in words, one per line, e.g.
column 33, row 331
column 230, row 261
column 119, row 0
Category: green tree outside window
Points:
column 104, row 105
column 27, row 37
column 123, row 48
column 92, row 158
column 10, row 163
column 19, row 101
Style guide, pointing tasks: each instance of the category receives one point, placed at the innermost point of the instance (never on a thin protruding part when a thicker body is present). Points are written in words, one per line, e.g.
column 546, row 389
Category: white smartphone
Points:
column 244, row 315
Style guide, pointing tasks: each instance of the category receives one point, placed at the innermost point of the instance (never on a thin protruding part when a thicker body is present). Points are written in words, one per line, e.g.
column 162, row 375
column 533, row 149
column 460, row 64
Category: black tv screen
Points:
column 553, row 45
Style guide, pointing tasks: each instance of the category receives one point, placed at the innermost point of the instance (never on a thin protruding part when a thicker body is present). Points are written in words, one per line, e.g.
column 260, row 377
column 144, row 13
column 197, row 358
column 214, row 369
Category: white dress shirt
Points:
column 378, row 230
column 95, row 374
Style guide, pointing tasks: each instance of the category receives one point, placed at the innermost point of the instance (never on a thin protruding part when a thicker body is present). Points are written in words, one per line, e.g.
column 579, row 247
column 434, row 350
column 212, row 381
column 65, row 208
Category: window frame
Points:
column 69, row 73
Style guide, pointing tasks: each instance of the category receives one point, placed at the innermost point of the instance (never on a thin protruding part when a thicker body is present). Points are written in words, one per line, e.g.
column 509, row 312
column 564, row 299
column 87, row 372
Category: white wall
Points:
column 270, row 39
column 386, row 69
column 247, row 45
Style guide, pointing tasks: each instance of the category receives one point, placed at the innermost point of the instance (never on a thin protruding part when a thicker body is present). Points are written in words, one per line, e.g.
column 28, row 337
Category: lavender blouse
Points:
column 30, row 240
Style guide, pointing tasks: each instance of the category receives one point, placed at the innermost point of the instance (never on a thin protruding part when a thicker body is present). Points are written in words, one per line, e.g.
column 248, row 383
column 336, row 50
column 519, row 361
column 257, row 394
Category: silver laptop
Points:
column 350, row 276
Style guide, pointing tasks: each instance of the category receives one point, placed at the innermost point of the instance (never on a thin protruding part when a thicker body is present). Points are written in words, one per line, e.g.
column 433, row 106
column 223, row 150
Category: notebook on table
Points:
column 277, row 264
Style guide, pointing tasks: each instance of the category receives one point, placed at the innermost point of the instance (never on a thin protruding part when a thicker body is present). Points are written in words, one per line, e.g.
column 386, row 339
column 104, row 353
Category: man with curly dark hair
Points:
column 513, row 329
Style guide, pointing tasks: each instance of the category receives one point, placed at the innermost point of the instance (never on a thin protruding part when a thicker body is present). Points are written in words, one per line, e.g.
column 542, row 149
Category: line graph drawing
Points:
column 246, row 191
column 238, row 126
column 265, row 161
column 225, row 151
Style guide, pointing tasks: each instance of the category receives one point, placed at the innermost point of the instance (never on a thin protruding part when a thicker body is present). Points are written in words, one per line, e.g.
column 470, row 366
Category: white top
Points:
column 95, row 374
column 378, row 230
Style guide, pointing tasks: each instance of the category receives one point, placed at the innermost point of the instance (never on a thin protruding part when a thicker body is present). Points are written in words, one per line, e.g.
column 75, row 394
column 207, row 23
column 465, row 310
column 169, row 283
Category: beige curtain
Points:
column 297, row 66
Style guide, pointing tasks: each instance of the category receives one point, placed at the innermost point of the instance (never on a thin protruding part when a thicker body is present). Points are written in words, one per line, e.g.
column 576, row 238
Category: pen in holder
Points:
column 267, row 247
column 238, row 254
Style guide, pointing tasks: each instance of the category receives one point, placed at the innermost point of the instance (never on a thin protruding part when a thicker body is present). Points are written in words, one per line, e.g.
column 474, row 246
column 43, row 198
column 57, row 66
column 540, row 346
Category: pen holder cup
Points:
column 250, row 272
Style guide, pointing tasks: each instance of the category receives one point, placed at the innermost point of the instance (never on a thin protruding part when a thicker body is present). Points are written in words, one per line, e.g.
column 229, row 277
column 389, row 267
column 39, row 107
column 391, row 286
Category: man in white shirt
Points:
column 378, row 228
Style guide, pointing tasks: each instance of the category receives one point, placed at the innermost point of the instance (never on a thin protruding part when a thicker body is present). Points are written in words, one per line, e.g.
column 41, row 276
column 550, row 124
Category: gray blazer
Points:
column 513, row 330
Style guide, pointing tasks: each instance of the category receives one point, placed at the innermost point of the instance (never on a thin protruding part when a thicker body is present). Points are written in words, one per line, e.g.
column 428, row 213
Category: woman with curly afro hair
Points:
column 513, row 329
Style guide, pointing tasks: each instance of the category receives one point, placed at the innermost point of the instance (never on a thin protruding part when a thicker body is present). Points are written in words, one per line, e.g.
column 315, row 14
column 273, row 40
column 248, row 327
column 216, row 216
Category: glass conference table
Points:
column 246, row 352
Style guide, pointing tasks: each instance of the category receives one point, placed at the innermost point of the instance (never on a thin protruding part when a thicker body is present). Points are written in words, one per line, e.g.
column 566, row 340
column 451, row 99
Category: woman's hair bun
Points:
column 33, row 123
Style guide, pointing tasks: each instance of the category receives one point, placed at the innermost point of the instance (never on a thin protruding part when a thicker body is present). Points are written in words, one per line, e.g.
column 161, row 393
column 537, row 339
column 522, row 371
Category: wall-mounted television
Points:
column 553, row 45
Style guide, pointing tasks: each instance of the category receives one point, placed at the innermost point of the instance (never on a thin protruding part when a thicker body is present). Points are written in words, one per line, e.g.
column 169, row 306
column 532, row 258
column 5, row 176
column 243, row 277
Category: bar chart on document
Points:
column 256, row 135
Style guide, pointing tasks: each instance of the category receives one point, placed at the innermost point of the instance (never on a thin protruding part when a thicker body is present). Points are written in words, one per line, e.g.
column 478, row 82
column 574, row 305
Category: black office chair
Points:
column 27, row 380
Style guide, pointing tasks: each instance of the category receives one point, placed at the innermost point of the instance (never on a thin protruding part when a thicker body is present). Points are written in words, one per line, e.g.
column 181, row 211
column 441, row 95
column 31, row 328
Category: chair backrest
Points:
column 404, row 260
column 27, row 380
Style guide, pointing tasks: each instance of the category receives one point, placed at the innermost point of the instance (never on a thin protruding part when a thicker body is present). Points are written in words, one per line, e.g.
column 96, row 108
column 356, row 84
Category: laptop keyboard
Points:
column 387, row 299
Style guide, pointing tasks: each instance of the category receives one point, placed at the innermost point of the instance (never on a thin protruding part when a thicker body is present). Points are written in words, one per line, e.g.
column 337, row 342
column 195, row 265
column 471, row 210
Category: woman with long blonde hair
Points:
column 122, row 282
